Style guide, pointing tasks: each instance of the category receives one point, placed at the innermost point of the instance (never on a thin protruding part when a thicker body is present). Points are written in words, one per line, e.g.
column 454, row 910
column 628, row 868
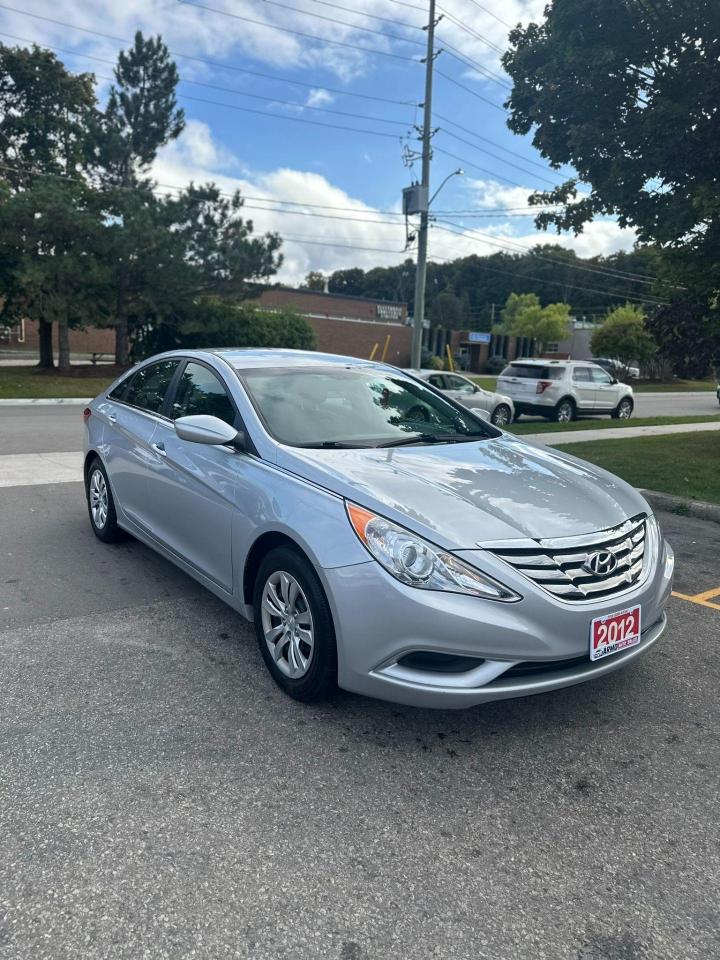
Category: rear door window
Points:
column 582, row 374
column 147, row 388
column 200, row 391
column 437, row 381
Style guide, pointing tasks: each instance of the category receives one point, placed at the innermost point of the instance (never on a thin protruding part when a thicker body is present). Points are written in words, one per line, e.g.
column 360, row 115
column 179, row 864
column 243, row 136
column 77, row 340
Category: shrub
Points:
column 214, row 323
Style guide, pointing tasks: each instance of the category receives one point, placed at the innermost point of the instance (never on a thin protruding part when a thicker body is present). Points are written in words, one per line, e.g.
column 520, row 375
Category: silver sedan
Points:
column 499, row 408
column 381, row 536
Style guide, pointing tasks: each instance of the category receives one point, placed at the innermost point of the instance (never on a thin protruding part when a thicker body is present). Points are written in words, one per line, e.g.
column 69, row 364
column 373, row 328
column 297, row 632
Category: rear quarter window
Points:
column 533, row 372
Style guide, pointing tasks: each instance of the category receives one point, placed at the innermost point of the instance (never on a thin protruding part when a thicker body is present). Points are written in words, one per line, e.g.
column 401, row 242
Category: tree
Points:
column 46, row 117
column 315, row 280
column 629, row 94
column 624, row 337
column 523, row 316
column 688, row 337
column 53, row 230
column 140, row 117
column 449, row 311
column 210, row 322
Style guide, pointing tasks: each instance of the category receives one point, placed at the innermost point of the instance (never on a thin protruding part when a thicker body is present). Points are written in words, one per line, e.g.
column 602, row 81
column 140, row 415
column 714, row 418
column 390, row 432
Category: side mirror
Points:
column 205, row 429
column 615, row 380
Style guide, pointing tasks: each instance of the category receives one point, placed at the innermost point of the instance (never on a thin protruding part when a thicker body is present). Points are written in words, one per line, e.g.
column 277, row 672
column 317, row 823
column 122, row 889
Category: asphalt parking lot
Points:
column 159, row 797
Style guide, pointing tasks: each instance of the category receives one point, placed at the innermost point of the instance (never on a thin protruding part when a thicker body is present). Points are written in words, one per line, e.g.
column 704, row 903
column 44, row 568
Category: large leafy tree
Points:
column 47, row 115
column 624, row 336
column 524, row 316
column 628, row 93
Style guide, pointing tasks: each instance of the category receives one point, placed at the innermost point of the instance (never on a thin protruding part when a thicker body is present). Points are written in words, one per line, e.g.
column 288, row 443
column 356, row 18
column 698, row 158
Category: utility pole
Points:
column 421, row 270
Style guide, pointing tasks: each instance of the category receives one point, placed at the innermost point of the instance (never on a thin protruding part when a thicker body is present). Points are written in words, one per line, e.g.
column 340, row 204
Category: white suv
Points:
column 561, row 389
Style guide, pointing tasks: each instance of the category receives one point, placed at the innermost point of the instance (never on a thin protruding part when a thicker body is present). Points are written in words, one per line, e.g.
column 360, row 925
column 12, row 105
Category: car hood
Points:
column 467, row 494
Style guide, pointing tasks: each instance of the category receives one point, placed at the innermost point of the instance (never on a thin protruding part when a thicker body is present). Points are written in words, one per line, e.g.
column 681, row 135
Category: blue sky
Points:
column 367, row 66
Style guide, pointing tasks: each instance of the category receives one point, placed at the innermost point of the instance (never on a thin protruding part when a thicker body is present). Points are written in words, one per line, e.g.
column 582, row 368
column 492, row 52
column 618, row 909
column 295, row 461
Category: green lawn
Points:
column 545, row 426
column 687, row 465
column 674, row 386
column 26, row 383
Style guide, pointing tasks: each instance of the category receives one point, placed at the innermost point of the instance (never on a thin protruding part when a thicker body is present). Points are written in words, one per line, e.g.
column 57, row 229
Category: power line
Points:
column 471, row 31
column 509, row 163
column 469, row 163
column 300, row 33
column 491, row 14
column 374, row 16
column 597, row 271
column 558, row 283
column 203, row 60
column 473, row 93
column 234, row 90
column 513, row 153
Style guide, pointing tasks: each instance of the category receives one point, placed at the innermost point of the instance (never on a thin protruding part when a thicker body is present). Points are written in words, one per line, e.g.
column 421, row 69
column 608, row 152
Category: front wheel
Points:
column 623, row 411
column 501, row 415
column 294, row 626
column 565, row 411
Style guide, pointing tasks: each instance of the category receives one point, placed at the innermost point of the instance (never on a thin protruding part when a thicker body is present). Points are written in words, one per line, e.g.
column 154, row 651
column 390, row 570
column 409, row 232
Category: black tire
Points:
column 501, row 415
column 564, row 411
column 320, row 679
column 624, row 410
column 105, row 528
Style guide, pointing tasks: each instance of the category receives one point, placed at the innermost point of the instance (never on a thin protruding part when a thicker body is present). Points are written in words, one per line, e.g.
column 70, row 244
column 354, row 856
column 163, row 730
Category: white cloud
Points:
column 319, row 98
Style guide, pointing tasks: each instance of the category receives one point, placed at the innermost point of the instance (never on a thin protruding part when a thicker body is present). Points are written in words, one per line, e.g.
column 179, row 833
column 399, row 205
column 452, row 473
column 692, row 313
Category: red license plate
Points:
column 614, row 633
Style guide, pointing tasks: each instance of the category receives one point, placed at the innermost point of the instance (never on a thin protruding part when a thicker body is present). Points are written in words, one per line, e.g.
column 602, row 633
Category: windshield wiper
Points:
column 433, row 438
column 330, row 445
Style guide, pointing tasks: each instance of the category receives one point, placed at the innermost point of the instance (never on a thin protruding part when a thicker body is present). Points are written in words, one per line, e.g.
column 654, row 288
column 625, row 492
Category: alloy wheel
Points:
column 564, row 412
column 98, row 493
column 625, row 410
column 287, row 624
column 501, row 416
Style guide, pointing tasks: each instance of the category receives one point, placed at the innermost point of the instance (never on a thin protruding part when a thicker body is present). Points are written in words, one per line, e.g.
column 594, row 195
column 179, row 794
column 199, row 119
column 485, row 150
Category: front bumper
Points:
column 536, row 645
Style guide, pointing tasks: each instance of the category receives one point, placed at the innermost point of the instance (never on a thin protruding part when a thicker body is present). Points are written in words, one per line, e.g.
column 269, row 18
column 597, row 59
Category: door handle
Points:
column 159, row 447
column 112, row 417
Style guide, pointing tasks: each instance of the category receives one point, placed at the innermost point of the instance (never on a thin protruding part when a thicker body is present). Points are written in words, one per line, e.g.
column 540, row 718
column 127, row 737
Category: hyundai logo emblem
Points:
column 601, row 563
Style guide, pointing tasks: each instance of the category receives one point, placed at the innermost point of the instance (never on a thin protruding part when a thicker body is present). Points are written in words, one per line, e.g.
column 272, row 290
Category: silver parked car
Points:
column 499, row 408
column 381, row 537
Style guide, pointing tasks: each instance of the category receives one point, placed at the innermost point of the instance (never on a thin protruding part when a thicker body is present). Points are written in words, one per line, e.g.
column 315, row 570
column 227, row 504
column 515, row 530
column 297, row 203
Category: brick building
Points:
column 345, row 325
column 348, row 325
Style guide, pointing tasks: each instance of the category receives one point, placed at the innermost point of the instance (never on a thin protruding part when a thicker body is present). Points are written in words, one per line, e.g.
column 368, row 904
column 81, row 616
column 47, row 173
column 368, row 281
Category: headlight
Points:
column 418, row 563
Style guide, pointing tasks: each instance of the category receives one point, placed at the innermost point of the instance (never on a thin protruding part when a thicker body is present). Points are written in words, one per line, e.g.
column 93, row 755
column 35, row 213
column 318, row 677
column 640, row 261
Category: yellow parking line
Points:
column 697, row 599
column 708, row 594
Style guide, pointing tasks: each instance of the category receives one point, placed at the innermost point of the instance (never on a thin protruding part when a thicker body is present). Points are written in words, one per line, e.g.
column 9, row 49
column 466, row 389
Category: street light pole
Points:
column 421, row 270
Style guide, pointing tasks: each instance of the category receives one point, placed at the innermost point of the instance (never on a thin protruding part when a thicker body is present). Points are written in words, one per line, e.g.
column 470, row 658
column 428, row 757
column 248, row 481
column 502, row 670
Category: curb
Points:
column 683, row 507
column 43, row 402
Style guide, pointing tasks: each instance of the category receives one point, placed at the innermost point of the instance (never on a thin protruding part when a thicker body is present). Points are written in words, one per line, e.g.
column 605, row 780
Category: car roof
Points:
column 255, row 357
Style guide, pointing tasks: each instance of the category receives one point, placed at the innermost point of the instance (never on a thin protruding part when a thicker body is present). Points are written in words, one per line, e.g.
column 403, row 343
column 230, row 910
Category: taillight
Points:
column 542, row 386
column 86, row 414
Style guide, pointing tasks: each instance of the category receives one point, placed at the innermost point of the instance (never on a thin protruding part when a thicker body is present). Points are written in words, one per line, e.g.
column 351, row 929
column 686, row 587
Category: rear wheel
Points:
column 623, row 411
column 501, row 415
column 294, row 626
column 565, row 411
column 101, row 506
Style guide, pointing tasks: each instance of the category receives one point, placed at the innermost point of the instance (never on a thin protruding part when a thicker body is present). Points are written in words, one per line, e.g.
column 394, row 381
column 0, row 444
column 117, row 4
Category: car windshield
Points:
column 355, row 407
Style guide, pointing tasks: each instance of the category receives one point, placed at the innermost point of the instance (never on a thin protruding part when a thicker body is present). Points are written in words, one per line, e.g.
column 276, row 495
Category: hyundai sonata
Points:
column 381, row 537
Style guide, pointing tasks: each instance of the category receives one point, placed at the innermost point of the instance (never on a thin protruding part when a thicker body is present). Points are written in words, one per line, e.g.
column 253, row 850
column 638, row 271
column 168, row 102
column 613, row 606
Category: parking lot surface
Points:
column 159, row 797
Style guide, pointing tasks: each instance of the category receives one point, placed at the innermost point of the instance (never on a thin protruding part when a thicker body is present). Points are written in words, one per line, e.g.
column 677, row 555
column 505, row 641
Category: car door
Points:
column 583, row 388
column 607, row 390
column 195, row 494
column 131, row 414
column 464, row 391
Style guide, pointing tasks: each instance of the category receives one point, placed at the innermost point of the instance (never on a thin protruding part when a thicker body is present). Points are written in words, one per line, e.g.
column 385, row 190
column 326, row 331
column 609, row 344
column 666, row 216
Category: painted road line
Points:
column 31, row 469
column 707, row 594
column 697, row 599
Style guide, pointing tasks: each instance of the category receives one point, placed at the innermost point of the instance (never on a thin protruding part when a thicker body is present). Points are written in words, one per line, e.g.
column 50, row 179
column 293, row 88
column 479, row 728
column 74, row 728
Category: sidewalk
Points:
column 617, row 433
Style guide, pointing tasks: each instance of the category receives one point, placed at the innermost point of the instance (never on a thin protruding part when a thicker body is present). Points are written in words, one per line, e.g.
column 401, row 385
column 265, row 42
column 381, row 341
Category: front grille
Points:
column 559, row 566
